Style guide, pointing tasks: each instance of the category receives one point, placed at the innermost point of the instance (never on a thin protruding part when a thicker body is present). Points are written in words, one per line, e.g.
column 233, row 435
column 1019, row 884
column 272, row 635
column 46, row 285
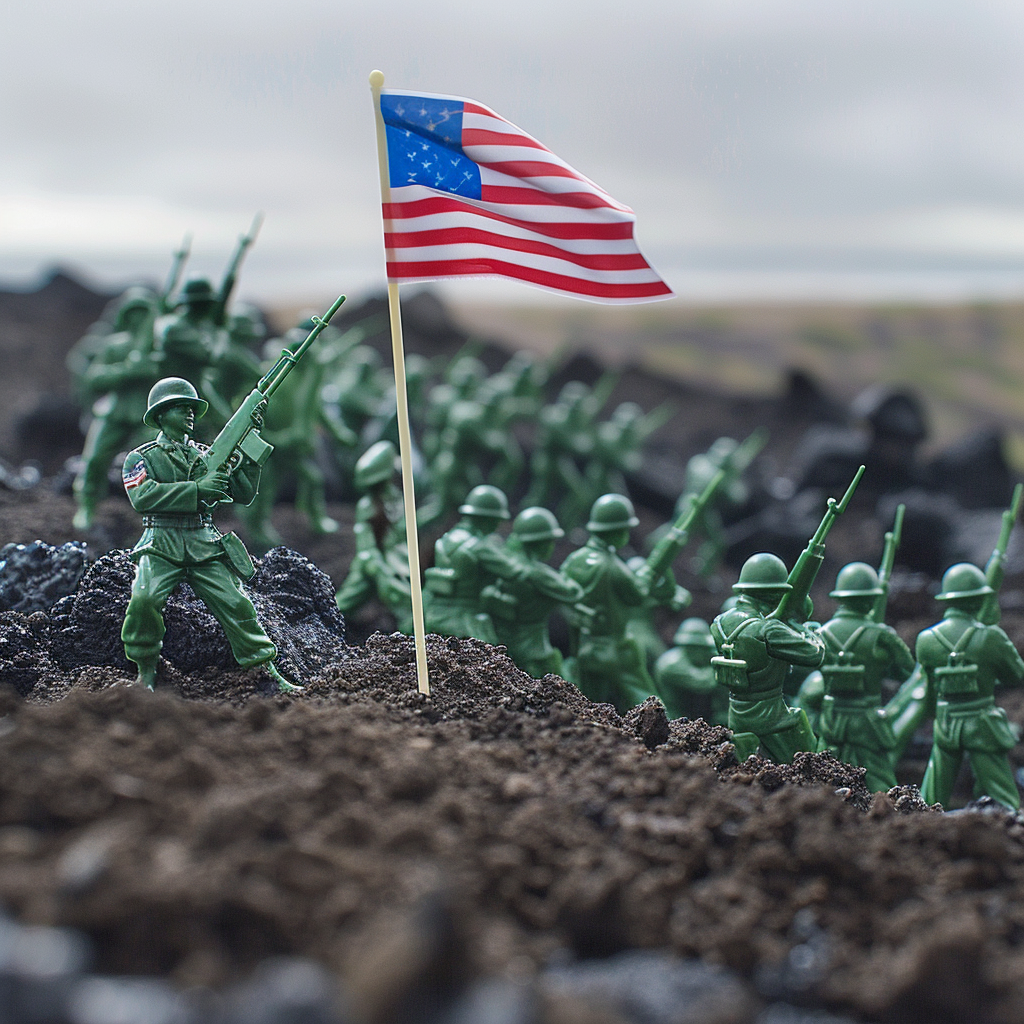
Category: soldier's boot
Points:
column 147, row 674
column 746, row 743
column 283, row 685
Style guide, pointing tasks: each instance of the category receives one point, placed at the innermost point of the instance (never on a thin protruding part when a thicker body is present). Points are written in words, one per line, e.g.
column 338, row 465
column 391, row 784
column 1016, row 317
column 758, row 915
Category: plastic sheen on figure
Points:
column 964, row 658
column 167, row 482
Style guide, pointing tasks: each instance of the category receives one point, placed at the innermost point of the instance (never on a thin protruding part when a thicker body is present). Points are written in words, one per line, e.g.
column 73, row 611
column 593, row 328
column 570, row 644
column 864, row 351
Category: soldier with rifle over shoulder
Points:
column 609, row 664
column 757, row 644
column 915, row 700
column 176, row 483
column 860, row 652
column 187, row 341
column 963, row 657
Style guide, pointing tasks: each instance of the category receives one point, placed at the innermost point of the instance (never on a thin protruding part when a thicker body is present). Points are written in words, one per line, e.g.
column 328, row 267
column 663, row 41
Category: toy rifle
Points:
column 892, row 542
column 801, row 579
column 674, row 540
column 995, row 569
column 174, row 277
column 747, row 451
column 231, row 274
column 240, row 435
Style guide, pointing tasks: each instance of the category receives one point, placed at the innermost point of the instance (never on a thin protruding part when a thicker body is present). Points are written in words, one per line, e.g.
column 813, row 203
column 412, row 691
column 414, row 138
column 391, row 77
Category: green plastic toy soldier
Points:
column 686, row 679
column 755, row 652
column 166, row 482
column 763, row 635
column 521, row 606
column 119, row 378
column 381, row 564
column 725, row 454
column 468, row 558
column 963, row 659
column 860, row 653
column 609, row 665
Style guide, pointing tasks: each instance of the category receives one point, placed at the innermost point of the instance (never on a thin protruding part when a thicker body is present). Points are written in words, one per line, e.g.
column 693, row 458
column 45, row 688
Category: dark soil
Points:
column 495, row 829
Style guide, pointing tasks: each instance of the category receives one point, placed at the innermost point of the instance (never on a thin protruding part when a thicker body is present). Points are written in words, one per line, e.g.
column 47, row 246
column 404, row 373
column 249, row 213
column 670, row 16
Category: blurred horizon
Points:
column 855, row 151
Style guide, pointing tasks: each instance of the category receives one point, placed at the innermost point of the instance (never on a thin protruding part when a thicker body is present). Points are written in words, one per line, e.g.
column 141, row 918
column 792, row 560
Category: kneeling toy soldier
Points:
column 167, row 482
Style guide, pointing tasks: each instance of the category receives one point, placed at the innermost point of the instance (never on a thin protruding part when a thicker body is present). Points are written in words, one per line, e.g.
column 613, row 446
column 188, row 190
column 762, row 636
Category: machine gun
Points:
column 174, row 277
column 674, row 540
column 892, row 542
column 801, row 579
column 996, row 569
column 227, row 286
column 240, row 435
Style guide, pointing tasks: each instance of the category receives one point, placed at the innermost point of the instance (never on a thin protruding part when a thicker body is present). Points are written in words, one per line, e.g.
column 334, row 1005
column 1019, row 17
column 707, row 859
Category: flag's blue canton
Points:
column 425, row 145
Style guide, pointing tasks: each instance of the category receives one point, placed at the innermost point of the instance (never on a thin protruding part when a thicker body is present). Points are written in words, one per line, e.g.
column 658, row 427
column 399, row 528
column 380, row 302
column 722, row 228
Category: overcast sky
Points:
column 850, row 138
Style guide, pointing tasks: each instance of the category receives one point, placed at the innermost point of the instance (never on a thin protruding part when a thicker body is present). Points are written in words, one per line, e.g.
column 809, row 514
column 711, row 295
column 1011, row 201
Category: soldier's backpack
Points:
column 730, row 671
column 843, row 676
column 958, row 676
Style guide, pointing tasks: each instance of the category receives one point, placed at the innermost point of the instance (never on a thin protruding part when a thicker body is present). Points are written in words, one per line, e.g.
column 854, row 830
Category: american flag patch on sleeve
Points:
column 133, row 475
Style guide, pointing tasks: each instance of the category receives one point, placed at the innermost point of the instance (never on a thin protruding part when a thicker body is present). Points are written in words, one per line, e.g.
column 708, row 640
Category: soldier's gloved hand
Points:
column 257, row 415
column 213, row 487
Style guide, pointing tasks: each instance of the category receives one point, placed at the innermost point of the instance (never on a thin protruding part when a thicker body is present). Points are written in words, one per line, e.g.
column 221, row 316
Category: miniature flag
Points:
column 133, row 475
column 472, row 195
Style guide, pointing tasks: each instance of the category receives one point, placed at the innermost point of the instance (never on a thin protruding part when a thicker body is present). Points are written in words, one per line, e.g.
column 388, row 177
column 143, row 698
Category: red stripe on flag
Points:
column 553, row 229
column 467, row 235
column 560, row 282
column 535, row 197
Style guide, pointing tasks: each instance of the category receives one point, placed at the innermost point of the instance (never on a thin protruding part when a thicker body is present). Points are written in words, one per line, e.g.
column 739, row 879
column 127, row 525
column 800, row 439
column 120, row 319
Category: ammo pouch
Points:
column 729, row 671
column 440, row 581
column 498, row 604
column 958, row 676
column 238, row 557
column 843, row 677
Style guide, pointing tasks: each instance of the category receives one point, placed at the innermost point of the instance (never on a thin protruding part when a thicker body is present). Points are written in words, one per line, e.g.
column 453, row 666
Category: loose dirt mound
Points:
column 195, row 837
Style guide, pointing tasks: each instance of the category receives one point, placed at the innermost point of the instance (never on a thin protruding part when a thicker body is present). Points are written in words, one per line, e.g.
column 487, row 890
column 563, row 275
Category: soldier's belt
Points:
column 191, row 522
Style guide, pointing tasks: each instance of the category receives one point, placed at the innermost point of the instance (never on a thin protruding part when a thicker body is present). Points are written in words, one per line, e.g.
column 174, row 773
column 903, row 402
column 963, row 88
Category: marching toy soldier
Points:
column 859, row 654
column 520, row 607
column 761, row 649
column 167, row 482
column 610, row 665
column 469, row 557
column 963, row 659
column 381, row 564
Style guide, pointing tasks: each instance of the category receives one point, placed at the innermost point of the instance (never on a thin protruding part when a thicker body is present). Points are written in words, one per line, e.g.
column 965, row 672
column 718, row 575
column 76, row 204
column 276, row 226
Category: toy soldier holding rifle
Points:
column 963, row 657
column 176, row 483
column 861, row 651
column 762, row 636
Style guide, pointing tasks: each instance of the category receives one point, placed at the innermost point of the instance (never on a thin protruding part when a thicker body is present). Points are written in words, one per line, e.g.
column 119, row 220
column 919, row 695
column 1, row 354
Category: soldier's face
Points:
column 178, row 420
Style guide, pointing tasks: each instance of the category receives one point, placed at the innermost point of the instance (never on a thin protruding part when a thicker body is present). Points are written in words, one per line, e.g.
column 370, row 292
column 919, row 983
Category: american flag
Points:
column 472, row 195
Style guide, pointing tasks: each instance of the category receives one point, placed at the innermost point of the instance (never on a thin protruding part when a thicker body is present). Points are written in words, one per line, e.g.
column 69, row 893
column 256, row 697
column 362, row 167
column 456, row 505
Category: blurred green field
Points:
column 966, row 361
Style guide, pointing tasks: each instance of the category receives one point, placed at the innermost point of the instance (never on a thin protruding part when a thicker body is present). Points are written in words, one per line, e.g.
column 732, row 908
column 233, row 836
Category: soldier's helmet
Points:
column 486, row 500
column 536, row 524
column 134, row 299
column 694, row 633
column 761, row 574
column 963, row 581
column 171, row 391
column 377, row 464
column 612, row 512
column 858, row 579
column 196, row 290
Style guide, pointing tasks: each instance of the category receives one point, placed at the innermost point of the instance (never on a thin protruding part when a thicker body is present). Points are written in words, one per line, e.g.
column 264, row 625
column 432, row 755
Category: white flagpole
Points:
column 402, row 402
